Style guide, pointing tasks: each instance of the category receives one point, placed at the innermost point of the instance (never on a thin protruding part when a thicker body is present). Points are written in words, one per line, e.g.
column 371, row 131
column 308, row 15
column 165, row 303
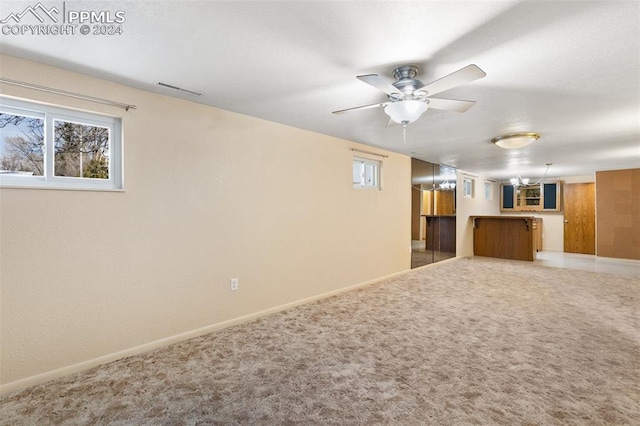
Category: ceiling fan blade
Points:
column 379, row 83
column 450, row 104
column 390, row 123
column 382, row 104
column 462, row 76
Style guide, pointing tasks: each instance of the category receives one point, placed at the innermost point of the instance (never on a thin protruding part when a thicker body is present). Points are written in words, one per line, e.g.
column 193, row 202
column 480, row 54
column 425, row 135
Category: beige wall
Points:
column 475, row 206
column 87, row 277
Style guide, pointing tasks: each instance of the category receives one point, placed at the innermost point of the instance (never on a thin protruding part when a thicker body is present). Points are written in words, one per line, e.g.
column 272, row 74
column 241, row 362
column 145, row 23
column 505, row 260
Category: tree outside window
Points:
column 81, row 150
column 21, row 144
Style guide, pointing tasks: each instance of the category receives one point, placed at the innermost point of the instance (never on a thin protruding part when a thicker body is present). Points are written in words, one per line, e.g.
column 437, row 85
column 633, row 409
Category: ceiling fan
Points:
column 409, row 97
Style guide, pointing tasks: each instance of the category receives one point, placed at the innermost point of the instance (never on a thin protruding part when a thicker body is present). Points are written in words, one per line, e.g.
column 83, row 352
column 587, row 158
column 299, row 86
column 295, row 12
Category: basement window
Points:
column 366, row 173
column 488, row 191
column 468, row 187
column 43, row 146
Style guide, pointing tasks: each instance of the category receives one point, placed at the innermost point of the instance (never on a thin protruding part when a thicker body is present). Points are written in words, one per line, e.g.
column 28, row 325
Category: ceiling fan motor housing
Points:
column 405, row 71
column 406, row 83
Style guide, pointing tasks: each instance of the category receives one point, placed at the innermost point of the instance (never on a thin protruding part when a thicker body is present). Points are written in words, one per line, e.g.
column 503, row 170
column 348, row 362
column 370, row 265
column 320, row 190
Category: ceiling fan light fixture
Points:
column 515, row 140
column 404, row 112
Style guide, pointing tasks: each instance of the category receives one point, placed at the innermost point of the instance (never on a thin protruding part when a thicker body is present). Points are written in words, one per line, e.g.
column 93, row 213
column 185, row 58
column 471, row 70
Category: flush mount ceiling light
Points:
column 405, row 112
column 515, row 140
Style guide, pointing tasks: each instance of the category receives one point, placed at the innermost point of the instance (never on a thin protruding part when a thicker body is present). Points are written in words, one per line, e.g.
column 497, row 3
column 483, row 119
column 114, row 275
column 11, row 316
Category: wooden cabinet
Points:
column 551, row 196
column 530, row 198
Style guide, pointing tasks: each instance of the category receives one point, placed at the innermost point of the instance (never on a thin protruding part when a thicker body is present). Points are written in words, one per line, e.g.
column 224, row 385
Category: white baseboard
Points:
column 105, row 359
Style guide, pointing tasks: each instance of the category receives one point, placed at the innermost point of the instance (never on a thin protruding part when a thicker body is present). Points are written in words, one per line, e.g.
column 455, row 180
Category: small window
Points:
column 488, row 191
column 48, row 147
column 366, row 173
column 467, row 187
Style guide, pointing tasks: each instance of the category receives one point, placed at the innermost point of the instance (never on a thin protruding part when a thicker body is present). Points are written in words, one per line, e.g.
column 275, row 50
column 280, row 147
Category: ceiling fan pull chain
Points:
column 404, row 132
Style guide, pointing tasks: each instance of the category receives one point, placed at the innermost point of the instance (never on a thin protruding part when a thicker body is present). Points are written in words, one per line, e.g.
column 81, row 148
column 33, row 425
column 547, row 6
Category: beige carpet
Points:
column 470, row 341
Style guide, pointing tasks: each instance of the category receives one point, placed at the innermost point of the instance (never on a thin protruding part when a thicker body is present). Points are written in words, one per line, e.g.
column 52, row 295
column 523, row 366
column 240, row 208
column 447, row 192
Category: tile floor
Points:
column 588, row 262
column 557, row 259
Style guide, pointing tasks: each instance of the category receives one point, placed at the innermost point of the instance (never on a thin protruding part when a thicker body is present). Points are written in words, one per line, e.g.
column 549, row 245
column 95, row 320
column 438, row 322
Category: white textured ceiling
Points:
column 567, row 70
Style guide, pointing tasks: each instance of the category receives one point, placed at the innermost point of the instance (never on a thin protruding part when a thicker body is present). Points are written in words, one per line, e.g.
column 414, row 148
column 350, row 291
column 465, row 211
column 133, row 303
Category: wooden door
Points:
column 416, row 208
column 580, row 218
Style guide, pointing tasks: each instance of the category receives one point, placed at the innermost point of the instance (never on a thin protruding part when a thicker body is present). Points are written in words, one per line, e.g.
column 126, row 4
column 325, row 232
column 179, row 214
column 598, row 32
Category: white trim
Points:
column 377, row 173
column 50, row 114
column 136, row 350
column 488, row 186
column 468, row 192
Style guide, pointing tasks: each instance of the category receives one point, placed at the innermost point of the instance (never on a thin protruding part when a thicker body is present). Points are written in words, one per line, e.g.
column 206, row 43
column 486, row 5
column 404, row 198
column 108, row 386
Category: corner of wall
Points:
column 475, row 205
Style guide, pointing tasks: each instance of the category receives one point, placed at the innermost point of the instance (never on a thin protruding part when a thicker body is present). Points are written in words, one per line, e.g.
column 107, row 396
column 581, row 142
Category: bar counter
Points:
column 506, row 237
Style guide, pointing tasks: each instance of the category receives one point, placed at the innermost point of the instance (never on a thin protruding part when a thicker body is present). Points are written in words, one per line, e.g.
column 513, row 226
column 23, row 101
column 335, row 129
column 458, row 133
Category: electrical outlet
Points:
column 234, row 284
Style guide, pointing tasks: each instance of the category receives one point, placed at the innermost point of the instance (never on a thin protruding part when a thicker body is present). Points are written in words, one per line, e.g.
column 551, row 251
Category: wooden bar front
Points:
column 506, row 237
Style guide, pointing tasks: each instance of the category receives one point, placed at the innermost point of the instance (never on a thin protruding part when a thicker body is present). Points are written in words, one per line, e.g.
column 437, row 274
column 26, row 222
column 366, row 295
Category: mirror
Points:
column 433, row 212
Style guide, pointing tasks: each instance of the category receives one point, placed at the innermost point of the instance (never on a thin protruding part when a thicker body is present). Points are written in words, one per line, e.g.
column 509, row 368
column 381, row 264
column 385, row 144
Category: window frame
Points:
column 48, row 180
column 468, row 187
column 377, row 185
column 488, row 190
